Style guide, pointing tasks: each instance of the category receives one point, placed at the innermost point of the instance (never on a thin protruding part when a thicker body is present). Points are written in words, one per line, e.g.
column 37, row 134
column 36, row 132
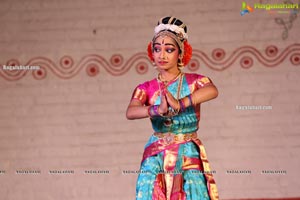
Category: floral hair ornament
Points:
column 174, row 28
column 188, row 50
column 150, row 53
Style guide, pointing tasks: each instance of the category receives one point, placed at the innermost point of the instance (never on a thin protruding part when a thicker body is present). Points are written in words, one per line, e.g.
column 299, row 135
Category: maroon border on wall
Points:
column 66, row 68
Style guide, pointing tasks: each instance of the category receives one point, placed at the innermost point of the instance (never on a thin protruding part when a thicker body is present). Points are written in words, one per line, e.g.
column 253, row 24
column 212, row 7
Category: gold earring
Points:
column 180, row 63
column 154, row 65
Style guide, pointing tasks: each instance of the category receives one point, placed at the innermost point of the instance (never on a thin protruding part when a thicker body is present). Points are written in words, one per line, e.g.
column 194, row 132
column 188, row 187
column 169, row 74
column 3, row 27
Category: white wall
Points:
column 69, row 120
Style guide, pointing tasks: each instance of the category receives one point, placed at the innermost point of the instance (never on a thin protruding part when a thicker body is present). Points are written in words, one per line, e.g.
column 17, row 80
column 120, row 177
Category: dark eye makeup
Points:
column 169, row 50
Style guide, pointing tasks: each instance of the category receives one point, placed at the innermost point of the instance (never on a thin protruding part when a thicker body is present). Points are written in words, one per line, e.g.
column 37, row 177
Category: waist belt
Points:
column 169, row 137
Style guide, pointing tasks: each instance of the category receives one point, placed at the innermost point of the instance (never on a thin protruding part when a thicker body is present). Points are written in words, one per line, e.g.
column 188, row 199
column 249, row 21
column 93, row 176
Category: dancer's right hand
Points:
column 163, row 107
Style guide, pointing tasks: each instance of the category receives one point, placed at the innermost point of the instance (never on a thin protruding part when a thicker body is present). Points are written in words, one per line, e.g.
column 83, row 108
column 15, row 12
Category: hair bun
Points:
column 174, row 21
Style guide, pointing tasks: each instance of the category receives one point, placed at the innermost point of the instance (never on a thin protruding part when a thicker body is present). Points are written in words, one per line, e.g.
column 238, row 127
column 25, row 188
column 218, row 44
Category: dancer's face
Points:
column 165, row 53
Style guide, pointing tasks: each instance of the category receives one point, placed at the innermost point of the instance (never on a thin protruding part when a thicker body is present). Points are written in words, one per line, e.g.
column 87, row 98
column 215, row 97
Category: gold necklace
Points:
column 165, row 81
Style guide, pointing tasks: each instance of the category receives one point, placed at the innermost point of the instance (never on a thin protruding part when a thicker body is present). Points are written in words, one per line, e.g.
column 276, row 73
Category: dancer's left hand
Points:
column 174, row 103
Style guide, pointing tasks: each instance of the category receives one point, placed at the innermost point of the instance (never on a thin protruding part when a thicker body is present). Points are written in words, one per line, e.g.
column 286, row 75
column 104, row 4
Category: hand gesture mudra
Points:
column 167, row 100
column 163, row 107
column 172, row 102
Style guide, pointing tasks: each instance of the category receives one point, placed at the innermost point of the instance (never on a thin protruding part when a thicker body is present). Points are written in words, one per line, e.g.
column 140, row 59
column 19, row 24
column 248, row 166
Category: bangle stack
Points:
column 153, row 111
column 182, row 105
column 190, row 99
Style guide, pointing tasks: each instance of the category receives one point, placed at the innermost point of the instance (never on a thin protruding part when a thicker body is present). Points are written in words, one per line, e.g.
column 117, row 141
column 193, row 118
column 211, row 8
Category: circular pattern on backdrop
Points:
column 141, row 68
column 116, row 65
column 40, row 73
column 66, row 62
column 295, row 59
column 116, row 60
column 218, row 54
column 92, row 70
column 246, row 62
column 271, row 51
column 194, row 65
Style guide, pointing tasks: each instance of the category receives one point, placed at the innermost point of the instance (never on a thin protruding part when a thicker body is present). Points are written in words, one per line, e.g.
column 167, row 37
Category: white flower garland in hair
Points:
column 171, row 27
